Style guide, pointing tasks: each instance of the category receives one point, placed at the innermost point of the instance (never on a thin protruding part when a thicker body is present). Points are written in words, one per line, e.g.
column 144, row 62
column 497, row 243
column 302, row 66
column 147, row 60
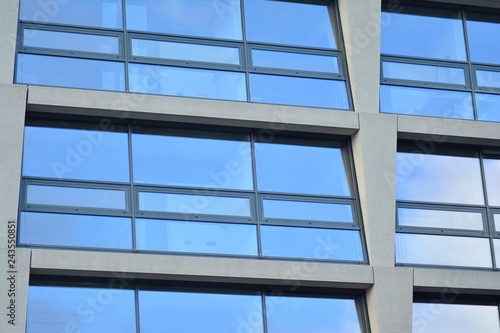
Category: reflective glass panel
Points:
column 70, row 72
column 71, row 41
column 82, row 310
column 196, row 237
column 431, row 218
column 492, row 175
column 185, row 51
column 307, row 314
column 186, row 17
column 311, row 243
column 187, row 82
column 489, row 79
column 456, row 318
column 193, row 204
column 76, row 197
column 302, row 210
column 92, row 13
column 290, row 23
column 443, row 250
column 496, row 246
column 439, row 178
column 426, row 102
column 439, row 37
column 300, row 91
column 75, row 230
column 190, row 161
column 163, row 311
column 423, row 73
column 75, row 154
column 300, row 169
column 295, row 61
column 482, row 41
column 488, row 107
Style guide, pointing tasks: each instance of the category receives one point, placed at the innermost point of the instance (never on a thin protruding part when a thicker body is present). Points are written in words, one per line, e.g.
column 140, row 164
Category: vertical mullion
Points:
column 246, row 50
column 469, row 64
column 125, row 45
column 264, row 312
column 258, row 207
column 488, row 226
column 132, row 196
column 137, row 318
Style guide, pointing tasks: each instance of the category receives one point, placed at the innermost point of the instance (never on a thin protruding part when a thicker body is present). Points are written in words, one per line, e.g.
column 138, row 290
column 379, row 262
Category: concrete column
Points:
column 8, row 38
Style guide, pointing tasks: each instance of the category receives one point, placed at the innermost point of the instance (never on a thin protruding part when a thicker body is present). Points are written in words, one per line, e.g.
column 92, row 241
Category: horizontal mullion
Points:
column 76, row 210
column 440, row 205
column 295, row 73
column 306, row 197
column 206, row 191
column 184, row 39
column 452, row 267
column 309, row 224
column 70, row 182
column 72, row 54
column 186, row 64
column 442, row 232
column 424, row 84
column 195, row 217
column 424, row 61
column 294, row 48
column 70, row 28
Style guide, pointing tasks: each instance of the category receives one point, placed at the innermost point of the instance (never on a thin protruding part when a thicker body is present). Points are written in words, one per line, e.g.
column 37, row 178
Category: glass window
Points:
column 482, row 41
column 433, row 218
column 295, row 61
column 423, row 73
column 488, row 107
column 489, row 79
column 497, row 222
column 492, row 175
column 308, row 211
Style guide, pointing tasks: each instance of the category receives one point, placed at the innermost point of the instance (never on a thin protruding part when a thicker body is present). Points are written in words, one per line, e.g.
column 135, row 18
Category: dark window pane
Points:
column 185, row 51
column 93, row 13
column 492, row 177
column 76, row 197
column 295, row 61
column 423, row 73
column 432, row 218
column 199, row 312
column 75, row 231
column 290, row 23
column 70, row 72
column 196, row 237
column 300, row 91
column 439, row 37
column 301, row 169
column 187, row 82
column 488, row 79
column 186, row 17
column 488, row 107
column 302, row 210
column 75, row 154
column 194, row 204
column 443, row 250
column 483, row 41
column 311, row 243
column 83, row 310
column 426, row 102
column 307, row 314
column 184, row 161
column 439, row 178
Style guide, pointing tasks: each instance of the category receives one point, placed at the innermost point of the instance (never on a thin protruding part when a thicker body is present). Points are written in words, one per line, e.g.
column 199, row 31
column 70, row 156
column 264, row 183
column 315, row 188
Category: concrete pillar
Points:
column 8, row 38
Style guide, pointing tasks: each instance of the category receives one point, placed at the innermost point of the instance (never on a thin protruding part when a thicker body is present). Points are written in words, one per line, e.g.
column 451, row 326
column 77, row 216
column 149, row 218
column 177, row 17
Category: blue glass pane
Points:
column 489, row 79
column 298, row 91
column 307, row 314
column 289, row 23
column 187, row 82
column 483, row 41
column 163, row 311
column 432, row 218
column 196, row 237
column 295, row 61
column 424, row 36
column 92, row 13
column 75, row 231
column 439, row 178
column 219, row 19
column 301, row 169
column 82, row 310
column 443, row 250
column 70, row 72
column 311, row 243
column 488, row 107
column 312, row 211
column 423, row 73
column 426, row 102
column 75, row 154
column 492, row 178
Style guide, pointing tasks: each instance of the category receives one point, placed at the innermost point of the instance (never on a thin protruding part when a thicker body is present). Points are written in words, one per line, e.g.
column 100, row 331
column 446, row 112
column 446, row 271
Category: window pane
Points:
column 488, row 107
column 71, row 41
column 490, row 79
column 75, row 154
column 196, row 237
column 199, row 312
column 302, row 210
column 76, row 197
column 92, row 13
column 185, row 51
column 496, row 246
column 295, row 61
column 306, row 314
column 298, row 91
column 57, row 309
column 185, row 161
column 75, row 231
column 193, row 204
column 431, row 218
column 443, row 250
column 300, row 169
column 189, row 18
column 311, row 243
column 439, row 178
column 426, row 102
column 457, row 318
column 439, row 37
column 497, row 223
column 423, row 73
column 70, row 72
column 481, row 41
column 492, row 176
column 290, row 23
column 187, row 82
